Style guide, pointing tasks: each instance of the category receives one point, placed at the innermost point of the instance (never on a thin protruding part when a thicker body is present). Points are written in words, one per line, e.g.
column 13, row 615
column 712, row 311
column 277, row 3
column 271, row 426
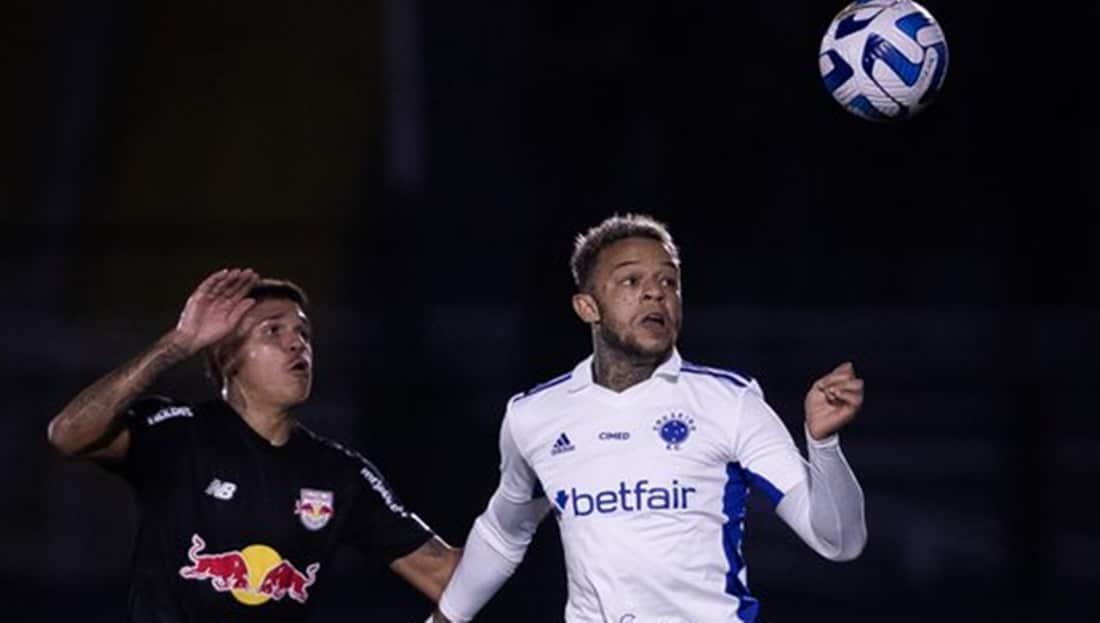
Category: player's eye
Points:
column 669, row 282
column 306, row 335
column 629, row 281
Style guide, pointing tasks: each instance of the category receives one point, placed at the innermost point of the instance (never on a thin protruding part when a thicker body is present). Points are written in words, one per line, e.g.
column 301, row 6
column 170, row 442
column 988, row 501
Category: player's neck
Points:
column 618, row 370
column 271, row 422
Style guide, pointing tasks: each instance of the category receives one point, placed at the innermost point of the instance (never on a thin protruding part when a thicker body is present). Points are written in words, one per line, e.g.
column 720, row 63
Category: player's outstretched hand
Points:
column 833, row 401
column 214, row 308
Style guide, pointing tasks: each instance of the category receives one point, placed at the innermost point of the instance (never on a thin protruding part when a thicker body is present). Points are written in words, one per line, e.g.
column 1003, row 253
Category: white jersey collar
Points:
column 581, row 376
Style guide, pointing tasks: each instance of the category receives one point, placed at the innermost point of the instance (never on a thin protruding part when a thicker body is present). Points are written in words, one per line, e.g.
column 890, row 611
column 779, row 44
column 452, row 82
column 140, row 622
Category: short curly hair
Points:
column 587, row 247
column 265, row 289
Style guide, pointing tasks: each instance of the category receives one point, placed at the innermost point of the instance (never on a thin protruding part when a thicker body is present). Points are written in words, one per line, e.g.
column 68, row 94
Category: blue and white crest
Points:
column 674, row 429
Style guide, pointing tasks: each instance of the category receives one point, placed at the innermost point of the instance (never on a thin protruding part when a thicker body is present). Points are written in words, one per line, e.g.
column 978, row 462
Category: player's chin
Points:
column 655, row 345
column 296, row 392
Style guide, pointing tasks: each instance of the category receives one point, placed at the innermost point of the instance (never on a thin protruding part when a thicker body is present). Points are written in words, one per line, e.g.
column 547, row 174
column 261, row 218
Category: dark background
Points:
column 422, row 167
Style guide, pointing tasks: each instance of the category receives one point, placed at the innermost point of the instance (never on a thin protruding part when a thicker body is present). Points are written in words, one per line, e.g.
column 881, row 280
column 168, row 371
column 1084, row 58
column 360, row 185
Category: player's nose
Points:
column 652, row 290
column 297, row 344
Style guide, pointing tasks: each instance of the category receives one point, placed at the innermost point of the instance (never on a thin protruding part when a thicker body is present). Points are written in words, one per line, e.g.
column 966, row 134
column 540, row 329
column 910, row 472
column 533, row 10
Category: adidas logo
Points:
column 562, row 445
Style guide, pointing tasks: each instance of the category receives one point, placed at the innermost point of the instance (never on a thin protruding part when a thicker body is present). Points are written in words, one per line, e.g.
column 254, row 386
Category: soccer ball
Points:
column 883, row 59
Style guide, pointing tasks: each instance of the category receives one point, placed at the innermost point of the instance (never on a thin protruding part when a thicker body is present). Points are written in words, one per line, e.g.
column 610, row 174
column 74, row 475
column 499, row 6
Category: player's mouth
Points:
column 655, row 320
column 299, row 366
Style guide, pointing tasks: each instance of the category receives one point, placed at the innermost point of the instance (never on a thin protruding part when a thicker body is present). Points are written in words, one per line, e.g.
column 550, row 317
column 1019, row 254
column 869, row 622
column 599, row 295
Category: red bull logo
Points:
column 283, row 579
column 252, row 575
column 314, row 508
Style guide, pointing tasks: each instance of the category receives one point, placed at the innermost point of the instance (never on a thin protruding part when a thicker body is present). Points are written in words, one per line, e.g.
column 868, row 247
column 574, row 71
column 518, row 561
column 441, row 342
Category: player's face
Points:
column 274, row 362
column 636, row 290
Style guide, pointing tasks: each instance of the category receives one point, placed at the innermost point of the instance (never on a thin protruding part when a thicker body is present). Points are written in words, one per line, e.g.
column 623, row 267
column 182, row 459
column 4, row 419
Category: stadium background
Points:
column 421, row 168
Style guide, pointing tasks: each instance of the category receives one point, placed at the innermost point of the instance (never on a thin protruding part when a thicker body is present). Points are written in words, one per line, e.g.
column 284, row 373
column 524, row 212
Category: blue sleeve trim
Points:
column 544, row 386
column 740, row 380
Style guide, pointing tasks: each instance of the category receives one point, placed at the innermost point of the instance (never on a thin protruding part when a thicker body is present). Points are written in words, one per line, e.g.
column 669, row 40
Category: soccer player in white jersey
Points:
column 646, row 460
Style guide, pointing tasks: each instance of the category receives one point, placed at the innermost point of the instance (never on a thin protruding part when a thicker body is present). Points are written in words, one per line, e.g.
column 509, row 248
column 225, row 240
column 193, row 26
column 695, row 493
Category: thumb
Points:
column 845, row 368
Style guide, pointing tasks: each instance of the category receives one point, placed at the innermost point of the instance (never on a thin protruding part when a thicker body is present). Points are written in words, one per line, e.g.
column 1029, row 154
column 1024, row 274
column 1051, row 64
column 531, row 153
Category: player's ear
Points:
column 585, row 307
column 227, row 353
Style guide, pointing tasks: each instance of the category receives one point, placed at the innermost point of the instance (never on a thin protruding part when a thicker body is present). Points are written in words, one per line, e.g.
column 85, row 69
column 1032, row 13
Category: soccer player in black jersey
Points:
column 241, row 506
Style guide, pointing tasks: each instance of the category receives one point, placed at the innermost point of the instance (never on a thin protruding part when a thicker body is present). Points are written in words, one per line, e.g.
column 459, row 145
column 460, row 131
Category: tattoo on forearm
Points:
column 94, row 412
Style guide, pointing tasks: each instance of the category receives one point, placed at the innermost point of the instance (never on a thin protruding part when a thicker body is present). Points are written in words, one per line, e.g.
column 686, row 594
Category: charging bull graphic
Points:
column 252, row 575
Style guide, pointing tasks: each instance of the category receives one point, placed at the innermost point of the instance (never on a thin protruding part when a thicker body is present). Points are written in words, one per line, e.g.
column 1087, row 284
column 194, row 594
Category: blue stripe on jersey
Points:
column 733, row 505
column 547, row 385
column 538, row 491
column 764, row 486
column 739, row 380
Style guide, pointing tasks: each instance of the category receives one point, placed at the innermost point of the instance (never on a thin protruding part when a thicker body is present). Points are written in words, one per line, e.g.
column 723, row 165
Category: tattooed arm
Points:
column 428, row 567
column 91, row 425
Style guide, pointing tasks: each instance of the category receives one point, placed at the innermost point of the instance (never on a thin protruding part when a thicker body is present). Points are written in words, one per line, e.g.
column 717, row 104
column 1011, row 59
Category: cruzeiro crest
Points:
column 674, row 429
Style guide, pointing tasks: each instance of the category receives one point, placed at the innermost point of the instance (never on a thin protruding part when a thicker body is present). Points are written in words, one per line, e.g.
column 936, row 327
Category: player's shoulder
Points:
column 331, row 451
column 160, row 411
column 541, row 395
column 351, row 462
column 732, row 381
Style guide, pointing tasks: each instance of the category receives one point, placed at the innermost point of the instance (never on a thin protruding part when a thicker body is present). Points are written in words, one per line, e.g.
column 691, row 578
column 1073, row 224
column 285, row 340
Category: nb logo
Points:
column 222, row 490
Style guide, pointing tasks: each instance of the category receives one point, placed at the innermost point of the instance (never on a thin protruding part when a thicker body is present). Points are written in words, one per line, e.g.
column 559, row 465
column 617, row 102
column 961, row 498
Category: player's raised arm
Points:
column 827, row 511
column 90, row 425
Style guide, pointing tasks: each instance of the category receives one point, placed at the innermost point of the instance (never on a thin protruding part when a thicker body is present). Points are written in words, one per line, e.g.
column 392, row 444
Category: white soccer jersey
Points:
column 649, row 487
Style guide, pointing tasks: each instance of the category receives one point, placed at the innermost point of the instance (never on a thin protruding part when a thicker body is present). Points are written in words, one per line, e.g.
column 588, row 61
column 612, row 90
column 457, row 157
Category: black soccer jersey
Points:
column 236, row 529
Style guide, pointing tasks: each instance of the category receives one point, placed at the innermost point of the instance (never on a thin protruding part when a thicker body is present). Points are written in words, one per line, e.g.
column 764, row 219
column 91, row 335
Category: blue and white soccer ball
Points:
column 883, row 59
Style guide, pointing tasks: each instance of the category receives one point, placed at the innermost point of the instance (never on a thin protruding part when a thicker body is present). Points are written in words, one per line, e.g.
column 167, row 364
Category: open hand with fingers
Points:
column 833, row 401
column 214, row 308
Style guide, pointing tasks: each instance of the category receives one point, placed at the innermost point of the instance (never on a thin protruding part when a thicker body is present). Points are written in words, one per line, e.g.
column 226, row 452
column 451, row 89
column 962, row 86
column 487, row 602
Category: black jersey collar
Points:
column 236, row 422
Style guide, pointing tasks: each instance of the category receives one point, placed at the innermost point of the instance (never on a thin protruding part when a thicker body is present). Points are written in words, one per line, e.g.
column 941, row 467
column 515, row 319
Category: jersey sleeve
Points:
column 500, row 536
column 518, row 482
column 827, row 510
column 379, row 525
column 819, row 499
column 517, row 506
column 763, row 447
column 160, row 428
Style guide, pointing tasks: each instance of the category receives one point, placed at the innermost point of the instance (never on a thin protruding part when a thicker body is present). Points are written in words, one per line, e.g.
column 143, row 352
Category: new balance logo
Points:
column 221, row 490
column 561, row 445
